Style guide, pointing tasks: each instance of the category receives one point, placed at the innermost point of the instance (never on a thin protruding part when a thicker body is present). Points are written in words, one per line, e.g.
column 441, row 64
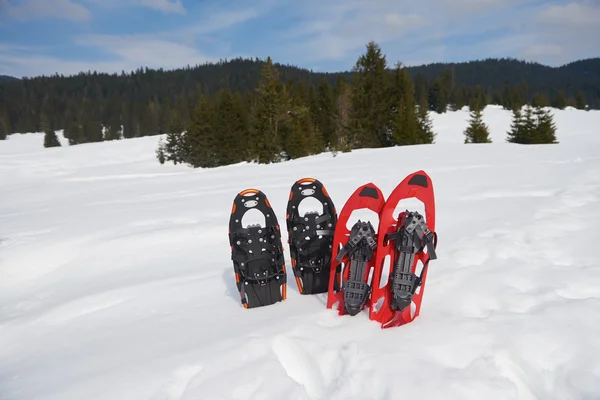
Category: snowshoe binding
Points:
column 257, row 252
column 405, row 240
column 353, row 255
column 310, row 236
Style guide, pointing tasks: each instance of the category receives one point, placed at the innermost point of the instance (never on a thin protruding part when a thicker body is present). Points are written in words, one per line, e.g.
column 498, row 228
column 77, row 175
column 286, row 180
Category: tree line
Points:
column 286, row 120
column 379, row 107
column 140, row 103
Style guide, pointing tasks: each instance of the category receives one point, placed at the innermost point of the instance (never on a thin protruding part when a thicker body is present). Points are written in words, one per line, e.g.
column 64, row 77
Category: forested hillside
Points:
column 308, row 111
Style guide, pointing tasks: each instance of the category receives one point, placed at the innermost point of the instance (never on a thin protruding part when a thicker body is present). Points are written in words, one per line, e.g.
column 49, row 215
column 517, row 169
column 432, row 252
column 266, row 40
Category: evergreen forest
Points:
column 258, row 110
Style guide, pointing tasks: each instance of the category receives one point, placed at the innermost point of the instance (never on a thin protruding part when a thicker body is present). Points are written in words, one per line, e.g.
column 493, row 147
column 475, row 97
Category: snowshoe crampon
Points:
column 257, row 252
column 409, row 239
column 353, row 255
column 310, row 236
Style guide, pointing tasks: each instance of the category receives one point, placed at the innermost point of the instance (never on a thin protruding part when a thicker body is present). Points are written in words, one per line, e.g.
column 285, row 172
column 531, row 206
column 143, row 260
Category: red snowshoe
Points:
column 353, row 254
column 404, row 238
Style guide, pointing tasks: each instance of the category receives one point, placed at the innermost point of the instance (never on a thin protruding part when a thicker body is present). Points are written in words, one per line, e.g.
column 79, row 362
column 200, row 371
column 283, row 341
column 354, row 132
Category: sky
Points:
column 45, row 37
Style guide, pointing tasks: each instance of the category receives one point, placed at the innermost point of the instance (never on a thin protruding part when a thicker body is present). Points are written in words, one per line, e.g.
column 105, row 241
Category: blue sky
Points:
column 43, row 37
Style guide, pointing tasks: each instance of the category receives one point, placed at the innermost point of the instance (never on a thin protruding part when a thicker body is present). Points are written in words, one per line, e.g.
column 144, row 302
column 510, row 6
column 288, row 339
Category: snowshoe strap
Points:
column 360, row 231
column 259, row 264
column 311, row 238
column 310, row 227
column 257, row 252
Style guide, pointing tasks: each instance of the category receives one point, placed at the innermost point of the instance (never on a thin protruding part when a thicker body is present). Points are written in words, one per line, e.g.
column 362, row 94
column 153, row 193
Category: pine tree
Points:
column 425, row 125
column 200, row 140
column 296, row 140
column 545, row 132
column 405, row 123
column 326, row 118
column 114, row 130
column 496, row 98
column 174, row 146
column 560, row 101
column 161, row 151
column 580, row 102
column 44, row 123
column 230, row 129
column 458, row 98
column 89, row 123
column 478, row 100
column 477, row 131
column 438, row 97
column 127, row 121
column 508, row 97
column 149, row 122
column 541, row 100
column 516, row 133
column 50, row 138
column 528, row 125
column 533, row 126
column 343, row 140
column 269, row 111
column 371, row 108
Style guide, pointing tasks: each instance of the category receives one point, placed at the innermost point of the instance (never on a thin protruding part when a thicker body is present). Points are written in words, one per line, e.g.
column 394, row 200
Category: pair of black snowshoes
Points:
column 257, row 250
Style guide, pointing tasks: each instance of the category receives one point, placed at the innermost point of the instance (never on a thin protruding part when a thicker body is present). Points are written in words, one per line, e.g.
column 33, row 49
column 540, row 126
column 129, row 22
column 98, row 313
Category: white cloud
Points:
column 572, row 15
column 36, row 9
column 333, row 30
column 145, row 50
column 565, row 33
column 167, row 6
column 163, row 5
column 316, row 34
column 439, row 30
column 163, row 49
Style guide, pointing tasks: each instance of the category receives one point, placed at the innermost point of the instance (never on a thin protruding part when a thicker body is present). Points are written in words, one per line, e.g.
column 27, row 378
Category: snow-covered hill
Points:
column 116, row 280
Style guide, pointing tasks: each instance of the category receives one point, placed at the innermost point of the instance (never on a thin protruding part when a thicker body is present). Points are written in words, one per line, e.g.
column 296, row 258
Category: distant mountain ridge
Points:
column 142, row 94
column 6, row 78
column 241, row 74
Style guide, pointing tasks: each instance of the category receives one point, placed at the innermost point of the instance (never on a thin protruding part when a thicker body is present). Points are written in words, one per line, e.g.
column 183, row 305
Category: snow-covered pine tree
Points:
column 160, row 151
column 425, row 125
column 545, row 130
column 477, row 131
column 50, row 139
column 516, row 133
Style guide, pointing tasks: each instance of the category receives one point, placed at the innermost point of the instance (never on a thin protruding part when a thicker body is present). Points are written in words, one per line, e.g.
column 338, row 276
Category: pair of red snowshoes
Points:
column 327, row 257
column 359, row 253
column 257, row 250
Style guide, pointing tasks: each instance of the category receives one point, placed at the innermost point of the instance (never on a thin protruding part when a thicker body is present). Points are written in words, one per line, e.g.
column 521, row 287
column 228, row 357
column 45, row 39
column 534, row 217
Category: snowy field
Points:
column 116, row 280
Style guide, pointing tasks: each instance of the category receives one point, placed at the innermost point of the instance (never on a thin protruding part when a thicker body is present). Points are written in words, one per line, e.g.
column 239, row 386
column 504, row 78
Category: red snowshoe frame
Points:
column 416, row 185
column 368, row 196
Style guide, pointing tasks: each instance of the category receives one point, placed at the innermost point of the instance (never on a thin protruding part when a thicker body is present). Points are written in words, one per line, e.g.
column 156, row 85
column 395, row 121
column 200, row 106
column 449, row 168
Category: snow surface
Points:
column 116, row 280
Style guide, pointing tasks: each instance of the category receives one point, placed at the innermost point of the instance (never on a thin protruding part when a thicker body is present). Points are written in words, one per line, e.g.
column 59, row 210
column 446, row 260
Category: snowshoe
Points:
column 257, row 252
column 353, row 254
column 310, row 236
column 405, row 239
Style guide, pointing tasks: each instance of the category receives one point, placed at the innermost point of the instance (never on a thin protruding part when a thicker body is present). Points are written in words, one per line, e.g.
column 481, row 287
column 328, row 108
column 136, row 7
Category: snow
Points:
column 116, row 280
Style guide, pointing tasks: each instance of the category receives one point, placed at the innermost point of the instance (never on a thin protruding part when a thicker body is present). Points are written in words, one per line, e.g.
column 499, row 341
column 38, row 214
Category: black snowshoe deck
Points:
column 257, row 252
column 310, row 236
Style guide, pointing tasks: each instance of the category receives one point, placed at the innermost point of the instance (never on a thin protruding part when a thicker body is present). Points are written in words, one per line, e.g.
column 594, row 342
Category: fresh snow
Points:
column 116, row 280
